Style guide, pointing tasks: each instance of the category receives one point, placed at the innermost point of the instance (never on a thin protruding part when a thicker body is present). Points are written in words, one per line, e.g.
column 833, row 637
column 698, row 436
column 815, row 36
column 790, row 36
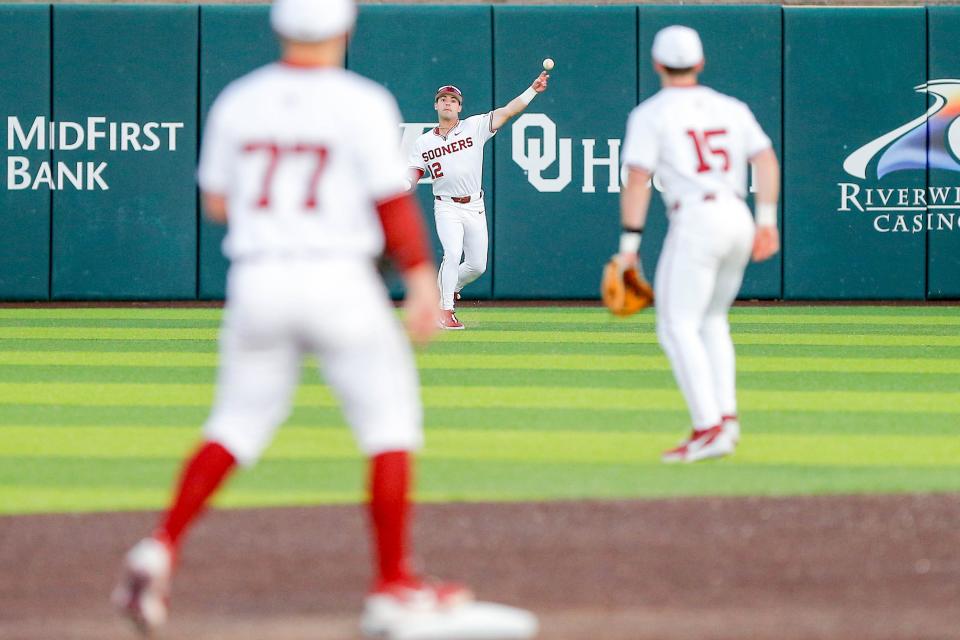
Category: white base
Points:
column 471, row 621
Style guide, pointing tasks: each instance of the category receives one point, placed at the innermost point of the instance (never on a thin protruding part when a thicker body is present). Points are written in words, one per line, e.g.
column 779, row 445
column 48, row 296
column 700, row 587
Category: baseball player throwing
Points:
column 699, row 143
column 302, row 160
column 452, row 153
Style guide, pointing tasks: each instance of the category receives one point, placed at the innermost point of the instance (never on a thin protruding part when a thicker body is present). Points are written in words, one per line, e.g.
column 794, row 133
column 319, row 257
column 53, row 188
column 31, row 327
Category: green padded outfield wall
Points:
column 24, row 95
column 735, row 39
column 849, row 78
column 413, row 50
column 130, row 230
column 557, row 223
column 943, row 266
column 223, row 58
column 104, row 206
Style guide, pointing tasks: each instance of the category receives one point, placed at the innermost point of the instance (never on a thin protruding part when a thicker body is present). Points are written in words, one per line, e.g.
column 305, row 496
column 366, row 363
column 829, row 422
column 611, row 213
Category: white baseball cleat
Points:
column 437, row 611
column 701, row 445
column 143, row 594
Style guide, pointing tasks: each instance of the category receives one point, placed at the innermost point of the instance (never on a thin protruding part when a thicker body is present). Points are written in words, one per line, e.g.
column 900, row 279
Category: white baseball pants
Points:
column 277, row 311
column 462, row 229
column 698, row 276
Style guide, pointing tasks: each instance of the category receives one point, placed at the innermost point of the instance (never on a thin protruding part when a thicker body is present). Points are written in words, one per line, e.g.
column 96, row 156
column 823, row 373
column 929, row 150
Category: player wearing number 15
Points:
column 699, row 143
column 452, row 153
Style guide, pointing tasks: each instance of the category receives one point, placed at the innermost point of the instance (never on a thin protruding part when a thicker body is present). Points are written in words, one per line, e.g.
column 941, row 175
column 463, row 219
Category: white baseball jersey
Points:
column 302, row 155
column 456, row 160
column 698, row 141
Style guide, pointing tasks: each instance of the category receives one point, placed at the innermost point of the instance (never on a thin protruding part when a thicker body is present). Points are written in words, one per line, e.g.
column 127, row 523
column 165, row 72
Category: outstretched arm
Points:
column 518, row 104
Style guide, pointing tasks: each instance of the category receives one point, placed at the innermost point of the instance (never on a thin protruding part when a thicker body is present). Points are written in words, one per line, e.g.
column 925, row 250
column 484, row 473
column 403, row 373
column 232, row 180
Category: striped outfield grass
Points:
column 98, row 407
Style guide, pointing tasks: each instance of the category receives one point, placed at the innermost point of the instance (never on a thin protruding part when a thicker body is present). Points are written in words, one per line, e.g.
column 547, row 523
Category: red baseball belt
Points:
column 707, row 197
column 459, row 199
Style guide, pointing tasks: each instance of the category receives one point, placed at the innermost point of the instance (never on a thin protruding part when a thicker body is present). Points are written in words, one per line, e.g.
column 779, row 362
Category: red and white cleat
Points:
column 701, row 445
column 448, row 320
column 143, row 594
column 396, row 604
column 416, row 610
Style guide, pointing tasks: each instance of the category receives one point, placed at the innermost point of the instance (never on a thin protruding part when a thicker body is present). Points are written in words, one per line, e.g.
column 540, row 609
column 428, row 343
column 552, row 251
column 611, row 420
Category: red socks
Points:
column 201, row 476
column 389, row 503
column 389, row 512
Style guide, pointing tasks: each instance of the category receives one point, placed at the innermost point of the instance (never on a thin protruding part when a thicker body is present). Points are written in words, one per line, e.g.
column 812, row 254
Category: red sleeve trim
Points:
column 420, row 171
column 404, row 231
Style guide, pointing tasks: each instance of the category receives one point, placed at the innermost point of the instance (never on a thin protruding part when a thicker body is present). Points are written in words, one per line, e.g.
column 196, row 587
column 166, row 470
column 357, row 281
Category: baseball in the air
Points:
column 547, row 64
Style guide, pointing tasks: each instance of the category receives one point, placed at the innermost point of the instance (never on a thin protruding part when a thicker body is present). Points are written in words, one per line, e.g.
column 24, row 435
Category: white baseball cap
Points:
column 312, row 20
column 677, row 47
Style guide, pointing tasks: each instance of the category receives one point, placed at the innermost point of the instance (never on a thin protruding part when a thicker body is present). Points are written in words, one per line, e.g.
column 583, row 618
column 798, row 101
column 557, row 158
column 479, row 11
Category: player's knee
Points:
column 390, row 435
column 475, row 267
column 244, row 450
column 713, row 324
column 670, row 332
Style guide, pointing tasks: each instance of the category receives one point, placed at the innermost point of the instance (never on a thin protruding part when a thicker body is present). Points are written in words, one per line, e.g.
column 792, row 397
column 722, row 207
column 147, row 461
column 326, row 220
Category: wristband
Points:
column 630, row 241
column 766, row 214
column 527, row 96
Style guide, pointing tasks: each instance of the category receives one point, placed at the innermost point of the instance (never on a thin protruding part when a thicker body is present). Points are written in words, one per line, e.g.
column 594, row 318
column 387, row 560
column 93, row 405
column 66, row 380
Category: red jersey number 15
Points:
column 704, row 145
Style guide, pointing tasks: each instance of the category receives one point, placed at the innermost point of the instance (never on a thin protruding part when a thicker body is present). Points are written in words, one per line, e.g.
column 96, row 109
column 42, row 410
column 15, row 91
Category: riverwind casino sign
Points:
column 910, row 210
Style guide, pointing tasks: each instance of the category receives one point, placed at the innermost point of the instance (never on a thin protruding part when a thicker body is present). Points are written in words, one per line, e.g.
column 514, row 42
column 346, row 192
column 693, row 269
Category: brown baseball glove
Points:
column 624, row 291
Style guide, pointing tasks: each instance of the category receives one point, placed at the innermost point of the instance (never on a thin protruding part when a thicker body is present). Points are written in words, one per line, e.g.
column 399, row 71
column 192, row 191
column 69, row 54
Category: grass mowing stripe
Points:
column 638, row 419
column 114, row 313
column 517, row 321
column 100, row 323
column 441, row 348
column 767, row 313
column 471, row 377
column 106, row 333
column 480, row 396
column 576, row 447
column 742, row 329
column 100, row 485
column 93, row 345
column 583, row 337
column 30, row 499
column 601, row 317
column 821, row 339
column 544, row 362
column 108, row 359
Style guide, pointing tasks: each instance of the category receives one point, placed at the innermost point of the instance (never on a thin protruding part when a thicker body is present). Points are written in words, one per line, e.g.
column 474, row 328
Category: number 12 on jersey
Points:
column 702, row 142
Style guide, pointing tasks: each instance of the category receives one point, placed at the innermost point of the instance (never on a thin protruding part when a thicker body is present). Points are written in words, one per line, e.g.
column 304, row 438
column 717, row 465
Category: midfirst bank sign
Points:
column 95, row 133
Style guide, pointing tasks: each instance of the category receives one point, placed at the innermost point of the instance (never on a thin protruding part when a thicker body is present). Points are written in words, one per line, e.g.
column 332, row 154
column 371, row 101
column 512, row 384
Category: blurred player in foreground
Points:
column 302, row 160
column 699, row 142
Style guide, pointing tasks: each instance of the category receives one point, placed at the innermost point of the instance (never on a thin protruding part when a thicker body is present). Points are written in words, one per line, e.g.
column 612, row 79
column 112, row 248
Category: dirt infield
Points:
column 876, row 567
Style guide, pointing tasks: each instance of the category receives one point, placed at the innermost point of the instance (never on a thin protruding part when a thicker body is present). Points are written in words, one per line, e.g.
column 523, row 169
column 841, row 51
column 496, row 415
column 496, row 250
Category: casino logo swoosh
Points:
column 906, row 146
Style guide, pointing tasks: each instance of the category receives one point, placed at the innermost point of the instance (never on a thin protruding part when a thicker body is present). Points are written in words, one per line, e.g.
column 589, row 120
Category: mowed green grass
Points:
column 99, row 406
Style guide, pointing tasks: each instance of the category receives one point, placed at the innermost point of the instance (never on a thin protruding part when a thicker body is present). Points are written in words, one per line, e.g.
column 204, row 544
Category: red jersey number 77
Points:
column 276, row 153
column 702, row 143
